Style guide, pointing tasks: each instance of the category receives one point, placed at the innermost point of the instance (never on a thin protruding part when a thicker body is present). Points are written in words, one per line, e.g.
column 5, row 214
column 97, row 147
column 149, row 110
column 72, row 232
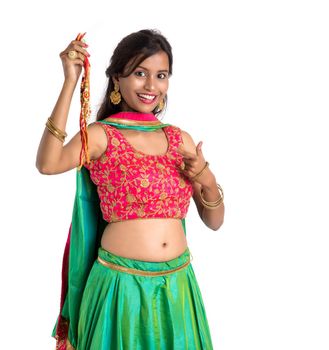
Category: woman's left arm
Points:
column 194, row 163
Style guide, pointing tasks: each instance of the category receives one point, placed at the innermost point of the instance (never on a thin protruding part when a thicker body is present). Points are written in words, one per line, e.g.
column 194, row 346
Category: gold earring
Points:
column 115, row 95
column 161, row 105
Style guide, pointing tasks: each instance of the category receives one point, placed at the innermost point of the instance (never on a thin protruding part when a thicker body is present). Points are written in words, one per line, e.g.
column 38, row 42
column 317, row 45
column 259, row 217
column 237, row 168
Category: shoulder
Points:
column 97, row 139
column 101, row 129
column 186, row 138
column 97, row 132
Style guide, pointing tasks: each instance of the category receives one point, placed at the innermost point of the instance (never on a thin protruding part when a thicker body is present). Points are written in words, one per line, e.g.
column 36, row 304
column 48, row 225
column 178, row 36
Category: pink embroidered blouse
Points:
column 132, row 185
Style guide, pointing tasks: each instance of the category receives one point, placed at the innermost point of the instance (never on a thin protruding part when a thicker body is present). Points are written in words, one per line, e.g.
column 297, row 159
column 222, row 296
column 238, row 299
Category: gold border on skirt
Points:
column 141, row 272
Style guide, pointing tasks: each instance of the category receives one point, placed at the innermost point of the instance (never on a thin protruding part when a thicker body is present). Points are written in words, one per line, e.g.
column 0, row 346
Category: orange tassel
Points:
column 85, row 109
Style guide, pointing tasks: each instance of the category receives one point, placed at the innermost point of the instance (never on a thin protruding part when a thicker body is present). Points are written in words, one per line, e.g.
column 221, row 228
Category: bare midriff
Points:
column 145, row 239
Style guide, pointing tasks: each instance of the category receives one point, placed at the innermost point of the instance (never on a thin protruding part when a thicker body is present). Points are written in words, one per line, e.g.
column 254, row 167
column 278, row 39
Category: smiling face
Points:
column 147, row 85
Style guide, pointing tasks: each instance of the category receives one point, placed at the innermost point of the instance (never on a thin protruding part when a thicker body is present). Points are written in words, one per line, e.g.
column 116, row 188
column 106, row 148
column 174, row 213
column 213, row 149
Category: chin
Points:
column 141, row 108
column 144, row 110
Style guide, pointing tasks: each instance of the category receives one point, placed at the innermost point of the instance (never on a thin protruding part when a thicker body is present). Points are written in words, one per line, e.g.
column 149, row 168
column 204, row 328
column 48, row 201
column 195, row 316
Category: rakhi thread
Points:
column 85, row 109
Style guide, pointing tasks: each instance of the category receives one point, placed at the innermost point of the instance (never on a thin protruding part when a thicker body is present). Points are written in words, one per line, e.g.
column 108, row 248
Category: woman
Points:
column 139, row 291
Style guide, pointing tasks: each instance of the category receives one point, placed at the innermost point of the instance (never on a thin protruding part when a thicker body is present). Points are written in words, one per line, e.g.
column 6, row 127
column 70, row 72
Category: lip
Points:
column 148, row 102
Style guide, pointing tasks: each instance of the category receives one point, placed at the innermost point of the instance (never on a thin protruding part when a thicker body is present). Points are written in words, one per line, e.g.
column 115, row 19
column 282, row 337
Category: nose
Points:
column 150, row 83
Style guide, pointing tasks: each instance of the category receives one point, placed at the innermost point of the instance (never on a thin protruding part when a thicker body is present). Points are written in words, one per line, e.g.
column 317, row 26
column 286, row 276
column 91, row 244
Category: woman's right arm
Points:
column 52, row 156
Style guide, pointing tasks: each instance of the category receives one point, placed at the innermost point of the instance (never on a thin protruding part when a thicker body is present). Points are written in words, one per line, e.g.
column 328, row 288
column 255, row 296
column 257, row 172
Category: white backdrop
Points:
column 250, row 80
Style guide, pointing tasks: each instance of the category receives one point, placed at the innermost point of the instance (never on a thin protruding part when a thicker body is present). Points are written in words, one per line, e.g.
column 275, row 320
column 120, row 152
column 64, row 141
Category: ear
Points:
column 115, row 80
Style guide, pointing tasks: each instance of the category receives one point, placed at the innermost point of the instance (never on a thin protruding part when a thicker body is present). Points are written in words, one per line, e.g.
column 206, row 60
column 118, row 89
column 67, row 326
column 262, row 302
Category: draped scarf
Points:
column 87, row 224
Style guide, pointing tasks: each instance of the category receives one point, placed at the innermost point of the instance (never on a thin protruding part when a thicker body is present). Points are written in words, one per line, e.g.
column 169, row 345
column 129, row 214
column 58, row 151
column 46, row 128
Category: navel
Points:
column 164, row 244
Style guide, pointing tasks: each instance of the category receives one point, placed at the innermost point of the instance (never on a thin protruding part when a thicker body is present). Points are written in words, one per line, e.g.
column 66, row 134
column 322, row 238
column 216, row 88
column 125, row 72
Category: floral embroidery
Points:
column 134, row 185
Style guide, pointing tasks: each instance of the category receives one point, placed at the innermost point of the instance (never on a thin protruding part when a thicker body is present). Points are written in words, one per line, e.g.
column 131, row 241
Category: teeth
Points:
column 147, row 96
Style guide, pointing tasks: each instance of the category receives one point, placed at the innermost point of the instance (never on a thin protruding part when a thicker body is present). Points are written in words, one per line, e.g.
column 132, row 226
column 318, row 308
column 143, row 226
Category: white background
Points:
column 250, row 80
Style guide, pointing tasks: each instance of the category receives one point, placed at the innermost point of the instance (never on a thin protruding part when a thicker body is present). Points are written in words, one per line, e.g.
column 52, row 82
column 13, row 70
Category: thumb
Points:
column 198, row 147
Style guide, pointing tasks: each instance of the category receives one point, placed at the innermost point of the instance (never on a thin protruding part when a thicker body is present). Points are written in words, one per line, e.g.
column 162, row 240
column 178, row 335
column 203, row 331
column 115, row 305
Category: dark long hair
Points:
column 135, row 47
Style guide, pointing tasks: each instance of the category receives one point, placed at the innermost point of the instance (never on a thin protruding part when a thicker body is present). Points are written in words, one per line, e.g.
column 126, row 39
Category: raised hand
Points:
column 73, row 67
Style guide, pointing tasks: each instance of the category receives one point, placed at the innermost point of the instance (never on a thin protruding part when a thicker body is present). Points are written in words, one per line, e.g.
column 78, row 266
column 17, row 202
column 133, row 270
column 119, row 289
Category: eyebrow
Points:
column 162, row 70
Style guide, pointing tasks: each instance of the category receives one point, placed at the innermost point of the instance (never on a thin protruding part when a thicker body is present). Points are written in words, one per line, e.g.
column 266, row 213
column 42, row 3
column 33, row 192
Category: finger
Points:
column 181, row 150
column 77, row 46
column 81, row 43
column 64, row 55
column 190, row 157
column 80, row 49
column 80, row 55
column 185, row 154
column 184, row 171
column 198, row 148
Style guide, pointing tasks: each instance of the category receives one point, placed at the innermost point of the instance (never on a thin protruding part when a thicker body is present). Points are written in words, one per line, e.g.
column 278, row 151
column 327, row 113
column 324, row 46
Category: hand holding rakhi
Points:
column 74, row 58
column 194, row 165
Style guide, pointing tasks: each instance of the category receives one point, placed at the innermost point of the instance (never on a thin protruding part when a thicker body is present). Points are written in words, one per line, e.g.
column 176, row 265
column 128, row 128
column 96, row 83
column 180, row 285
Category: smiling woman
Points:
column 147, row 86
column 145, row 60
column 128, row 281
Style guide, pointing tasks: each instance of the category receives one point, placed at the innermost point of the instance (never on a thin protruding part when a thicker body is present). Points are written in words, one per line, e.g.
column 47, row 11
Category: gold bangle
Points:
column 54, row 132
column 51, row 123
column 213, row 204
column 59, row 134
column 211, row 208
column 201, row 172
column 221, row 195
column 51, row 127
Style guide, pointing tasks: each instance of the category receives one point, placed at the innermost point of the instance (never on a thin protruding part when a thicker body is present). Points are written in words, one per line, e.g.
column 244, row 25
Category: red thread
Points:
column 85, row 109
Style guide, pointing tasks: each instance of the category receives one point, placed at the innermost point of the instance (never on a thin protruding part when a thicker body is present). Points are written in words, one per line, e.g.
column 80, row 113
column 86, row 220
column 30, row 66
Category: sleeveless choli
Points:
column 132, row 184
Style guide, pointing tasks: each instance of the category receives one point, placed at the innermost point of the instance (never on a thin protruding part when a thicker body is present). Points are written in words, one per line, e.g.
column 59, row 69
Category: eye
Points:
column 139, row 73
column 163, row 75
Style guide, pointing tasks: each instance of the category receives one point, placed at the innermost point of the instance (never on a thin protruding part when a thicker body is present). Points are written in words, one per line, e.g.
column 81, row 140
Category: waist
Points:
column 143, row 268
column 147, row 229
column 149, row 239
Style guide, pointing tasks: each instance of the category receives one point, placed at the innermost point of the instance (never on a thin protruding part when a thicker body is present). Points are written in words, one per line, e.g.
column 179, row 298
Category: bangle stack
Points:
column 58, row 133
column 215, row 204
column 201, row 172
